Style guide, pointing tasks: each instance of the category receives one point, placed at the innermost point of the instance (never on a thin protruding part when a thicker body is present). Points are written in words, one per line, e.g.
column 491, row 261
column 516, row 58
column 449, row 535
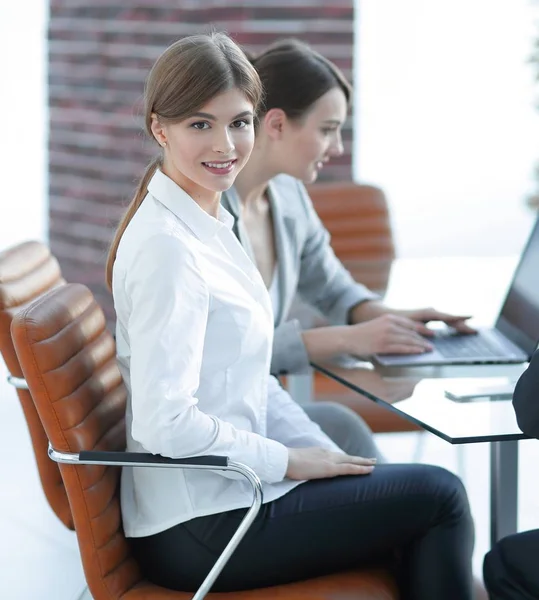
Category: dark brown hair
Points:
column 295, row 76
column 189, row 74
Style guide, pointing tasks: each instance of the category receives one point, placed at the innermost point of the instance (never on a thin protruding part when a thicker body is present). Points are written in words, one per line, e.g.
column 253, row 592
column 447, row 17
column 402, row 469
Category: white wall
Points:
column 445, row 120
column 23, row 101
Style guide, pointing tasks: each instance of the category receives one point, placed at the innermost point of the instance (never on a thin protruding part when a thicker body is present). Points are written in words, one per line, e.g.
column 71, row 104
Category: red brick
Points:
column 99, row 55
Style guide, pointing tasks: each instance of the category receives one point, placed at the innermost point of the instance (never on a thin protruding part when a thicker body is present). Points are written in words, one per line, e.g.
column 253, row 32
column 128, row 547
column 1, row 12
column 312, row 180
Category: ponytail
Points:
column 134, row 205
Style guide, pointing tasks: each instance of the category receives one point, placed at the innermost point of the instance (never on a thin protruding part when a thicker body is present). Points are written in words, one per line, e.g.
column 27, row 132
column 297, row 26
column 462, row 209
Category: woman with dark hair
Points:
column 194, row 339
column 306, row 100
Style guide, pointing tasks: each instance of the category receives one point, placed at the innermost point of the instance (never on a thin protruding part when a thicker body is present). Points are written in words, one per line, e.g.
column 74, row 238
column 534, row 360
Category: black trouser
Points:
column 417, row 513
column 511, row 568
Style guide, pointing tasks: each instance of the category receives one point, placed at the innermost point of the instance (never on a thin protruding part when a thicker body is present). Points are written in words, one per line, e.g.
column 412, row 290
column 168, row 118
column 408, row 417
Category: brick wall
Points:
column 99, row 55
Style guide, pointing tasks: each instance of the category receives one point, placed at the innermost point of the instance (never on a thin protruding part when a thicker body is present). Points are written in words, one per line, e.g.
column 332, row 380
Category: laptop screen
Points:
column 519, row 317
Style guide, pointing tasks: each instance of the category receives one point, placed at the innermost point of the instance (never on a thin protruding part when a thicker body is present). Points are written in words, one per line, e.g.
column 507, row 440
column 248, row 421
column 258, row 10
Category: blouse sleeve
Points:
column 288, row 423
column 170, row 304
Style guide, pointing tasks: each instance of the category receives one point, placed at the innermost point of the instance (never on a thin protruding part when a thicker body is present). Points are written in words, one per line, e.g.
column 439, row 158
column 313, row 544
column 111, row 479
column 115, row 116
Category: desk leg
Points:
column 503, row 489
column 300, row 387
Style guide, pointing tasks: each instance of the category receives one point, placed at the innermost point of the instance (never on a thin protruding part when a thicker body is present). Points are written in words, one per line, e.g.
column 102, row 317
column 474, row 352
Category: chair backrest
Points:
column 357, row 219
column 27, row 271
column 68, row 358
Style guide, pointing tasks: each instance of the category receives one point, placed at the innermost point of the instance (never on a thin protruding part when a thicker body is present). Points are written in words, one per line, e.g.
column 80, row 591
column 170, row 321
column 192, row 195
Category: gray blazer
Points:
column 306, row 265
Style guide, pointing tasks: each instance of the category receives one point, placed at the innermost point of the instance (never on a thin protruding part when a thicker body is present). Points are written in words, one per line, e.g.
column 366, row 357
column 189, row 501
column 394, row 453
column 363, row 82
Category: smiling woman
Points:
column 199, row 73
column 194, row 336
column 204, row 153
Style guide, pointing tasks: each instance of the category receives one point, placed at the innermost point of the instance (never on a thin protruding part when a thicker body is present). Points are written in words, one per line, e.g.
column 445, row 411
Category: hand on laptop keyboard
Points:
column 384, row 330
column 422, row 316
column 388, row 334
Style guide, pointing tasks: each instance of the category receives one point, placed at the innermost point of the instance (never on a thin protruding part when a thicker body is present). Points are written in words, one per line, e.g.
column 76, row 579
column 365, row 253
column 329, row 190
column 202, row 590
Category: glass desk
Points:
column 418, row 393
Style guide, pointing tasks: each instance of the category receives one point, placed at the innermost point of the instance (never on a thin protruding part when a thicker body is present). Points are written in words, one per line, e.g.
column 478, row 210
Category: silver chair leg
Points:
column 247, row 521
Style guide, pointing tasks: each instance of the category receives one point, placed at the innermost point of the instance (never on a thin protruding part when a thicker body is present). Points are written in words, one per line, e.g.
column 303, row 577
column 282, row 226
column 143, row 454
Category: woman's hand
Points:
column 381, row 330
column 424, row 315
column 317, row 463
column 388, row 334
column 371, row 309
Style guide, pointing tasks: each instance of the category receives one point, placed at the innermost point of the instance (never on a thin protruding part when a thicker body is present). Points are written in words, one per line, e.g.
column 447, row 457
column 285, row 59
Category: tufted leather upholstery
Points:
column 357, row 219
column 68, row 359
column 26, row 272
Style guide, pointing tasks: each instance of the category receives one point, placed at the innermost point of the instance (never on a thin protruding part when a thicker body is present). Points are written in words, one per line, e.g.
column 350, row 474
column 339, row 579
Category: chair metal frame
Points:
column 145, row 459
column 211, row 463
column 18, row 383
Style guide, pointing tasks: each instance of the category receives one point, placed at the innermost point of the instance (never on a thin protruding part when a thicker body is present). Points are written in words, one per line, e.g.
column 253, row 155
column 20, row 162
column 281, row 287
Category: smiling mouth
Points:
column 220, row 167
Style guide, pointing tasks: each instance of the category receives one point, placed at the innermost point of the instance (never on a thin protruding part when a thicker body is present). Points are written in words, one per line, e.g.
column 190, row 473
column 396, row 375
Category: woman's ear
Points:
column 274, row 122
column 158, row 130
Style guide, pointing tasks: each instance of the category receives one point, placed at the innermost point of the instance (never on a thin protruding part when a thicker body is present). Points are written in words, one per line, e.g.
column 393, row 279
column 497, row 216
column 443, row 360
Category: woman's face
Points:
column 205, row 152
column 312, row 141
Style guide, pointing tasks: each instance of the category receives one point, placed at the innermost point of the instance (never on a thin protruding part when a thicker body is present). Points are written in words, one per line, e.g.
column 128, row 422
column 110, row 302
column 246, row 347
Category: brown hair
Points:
column 184, row 78
column 295, row 76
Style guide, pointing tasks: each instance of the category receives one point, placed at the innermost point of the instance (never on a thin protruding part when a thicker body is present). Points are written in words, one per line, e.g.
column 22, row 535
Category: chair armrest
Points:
column 145, row 459
column 96, row 456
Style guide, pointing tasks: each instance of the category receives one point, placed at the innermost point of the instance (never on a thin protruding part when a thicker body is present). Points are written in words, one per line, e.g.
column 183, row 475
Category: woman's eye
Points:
column 240, row 123
column 200, row 125
column 328, row 131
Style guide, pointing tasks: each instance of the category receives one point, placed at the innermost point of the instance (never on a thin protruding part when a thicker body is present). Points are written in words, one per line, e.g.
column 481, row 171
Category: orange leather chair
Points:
column 68, row 359
column 357, row 218
column 27, row 271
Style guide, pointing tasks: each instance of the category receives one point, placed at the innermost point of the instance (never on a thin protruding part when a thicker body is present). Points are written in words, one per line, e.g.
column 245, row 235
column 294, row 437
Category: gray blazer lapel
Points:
column 231, row 201
column 283, row 227
column 285, row 243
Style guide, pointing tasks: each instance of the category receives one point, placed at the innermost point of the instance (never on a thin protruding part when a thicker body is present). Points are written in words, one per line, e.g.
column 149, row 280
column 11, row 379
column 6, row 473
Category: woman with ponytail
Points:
column 194, row 341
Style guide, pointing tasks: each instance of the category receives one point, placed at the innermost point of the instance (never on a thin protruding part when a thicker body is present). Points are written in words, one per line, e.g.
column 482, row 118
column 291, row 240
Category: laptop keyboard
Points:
column 466, row 346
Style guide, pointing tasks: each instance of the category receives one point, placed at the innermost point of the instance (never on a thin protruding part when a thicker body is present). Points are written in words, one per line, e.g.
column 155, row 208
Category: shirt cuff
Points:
column 276, row 461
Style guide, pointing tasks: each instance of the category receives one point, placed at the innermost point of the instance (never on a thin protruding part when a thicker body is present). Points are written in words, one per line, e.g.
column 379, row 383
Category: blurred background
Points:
column 444, row 121
column 444, row 116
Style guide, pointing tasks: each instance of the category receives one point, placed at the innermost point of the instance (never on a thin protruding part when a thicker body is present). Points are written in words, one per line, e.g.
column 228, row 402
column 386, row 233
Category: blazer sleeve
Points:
column 526, row 398
column 289, row 353
column 323, row 280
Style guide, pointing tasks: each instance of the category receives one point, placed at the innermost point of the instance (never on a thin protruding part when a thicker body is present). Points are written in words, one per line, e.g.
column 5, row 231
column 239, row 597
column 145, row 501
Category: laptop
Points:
column 514, row 337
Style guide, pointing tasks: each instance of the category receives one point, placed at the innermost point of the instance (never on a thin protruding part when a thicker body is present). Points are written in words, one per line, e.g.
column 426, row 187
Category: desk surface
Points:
column 474, row 286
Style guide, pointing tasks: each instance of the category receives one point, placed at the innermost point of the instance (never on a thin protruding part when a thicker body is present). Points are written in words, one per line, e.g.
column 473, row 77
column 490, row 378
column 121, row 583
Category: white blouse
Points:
column 194, row 337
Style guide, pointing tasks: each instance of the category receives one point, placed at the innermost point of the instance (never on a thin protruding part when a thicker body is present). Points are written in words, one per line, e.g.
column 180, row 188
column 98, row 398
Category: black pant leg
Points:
column 328, row 525
column 511, row 568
